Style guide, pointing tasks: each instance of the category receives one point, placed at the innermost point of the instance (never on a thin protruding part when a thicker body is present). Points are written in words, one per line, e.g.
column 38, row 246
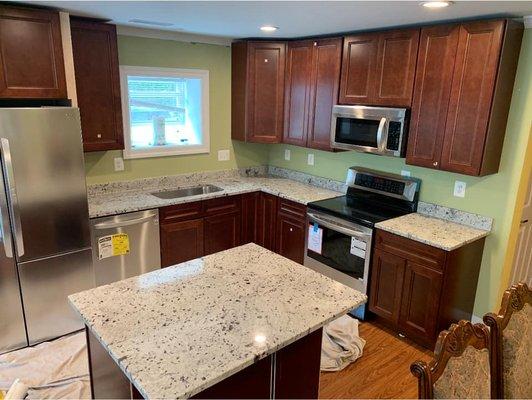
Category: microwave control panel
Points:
column 394, row 135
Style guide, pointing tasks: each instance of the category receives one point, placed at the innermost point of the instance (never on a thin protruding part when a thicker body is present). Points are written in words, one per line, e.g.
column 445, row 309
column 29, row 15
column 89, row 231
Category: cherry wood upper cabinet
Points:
column 378, row 68
column 465, row 129
column 396, row 66
column 311, row 90
column 325, row 82
column 31, row 54
column 94, row 45
column 297, row 92
column 437, row 50
column 359, row 63
column 257, row 82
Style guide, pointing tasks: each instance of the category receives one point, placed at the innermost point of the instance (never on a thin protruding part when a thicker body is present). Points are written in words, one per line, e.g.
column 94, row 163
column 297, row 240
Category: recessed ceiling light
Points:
column 436, row 4
column 268, row 28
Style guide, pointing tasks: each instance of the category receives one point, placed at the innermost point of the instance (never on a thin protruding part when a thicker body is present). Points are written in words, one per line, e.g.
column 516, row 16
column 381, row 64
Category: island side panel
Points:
column 107, row 379
column 297, row 368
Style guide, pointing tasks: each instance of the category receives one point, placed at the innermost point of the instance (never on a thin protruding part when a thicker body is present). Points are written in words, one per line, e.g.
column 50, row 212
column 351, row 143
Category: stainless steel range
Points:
column 340, row 230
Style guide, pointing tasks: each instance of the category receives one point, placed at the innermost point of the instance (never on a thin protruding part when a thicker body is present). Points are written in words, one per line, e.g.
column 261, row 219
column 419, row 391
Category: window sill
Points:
column 151, row 153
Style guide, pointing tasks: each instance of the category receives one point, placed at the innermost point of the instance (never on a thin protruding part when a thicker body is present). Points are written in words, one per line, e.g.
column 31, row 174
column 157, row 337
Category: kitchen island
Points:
column 244, row 322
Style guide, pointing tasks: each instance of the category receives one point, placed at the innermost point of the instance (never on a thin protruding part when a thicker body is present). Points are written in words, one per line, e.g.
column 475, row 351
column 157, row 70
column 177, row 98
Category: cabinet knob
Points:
column 315, row 43
column 99, row 135
column 265, row 60
column 435, row 163
column 291, row 229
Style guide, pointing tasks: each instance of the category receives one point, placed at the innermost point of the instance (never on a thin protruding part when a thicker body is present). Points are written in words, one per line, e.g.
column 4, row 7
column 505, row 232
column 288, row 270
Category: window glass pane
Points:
column 164, row 111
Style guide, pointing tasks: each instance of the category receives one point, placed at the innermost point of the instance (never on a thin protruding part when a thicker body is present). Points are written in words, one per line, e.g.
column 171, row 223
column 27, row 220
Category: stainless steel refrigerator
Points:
column 45, row 249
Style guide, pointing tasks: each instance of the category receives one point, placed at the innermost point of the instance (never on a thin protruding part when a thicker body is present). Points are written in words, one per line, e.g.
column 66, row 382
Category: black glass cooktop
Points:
column 366, row 211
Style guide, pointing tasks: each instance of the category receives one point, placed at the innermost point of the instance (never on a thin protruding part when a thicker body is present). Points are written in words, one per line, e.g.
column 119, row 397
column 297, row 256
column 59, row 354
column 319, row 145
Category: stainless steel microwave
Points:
column 378, row 130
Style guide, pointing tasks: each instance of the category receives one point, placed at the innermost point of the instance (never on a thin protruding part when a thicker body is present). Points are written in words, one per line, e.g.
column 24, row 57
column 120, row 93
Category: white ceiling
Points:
column 238, row 19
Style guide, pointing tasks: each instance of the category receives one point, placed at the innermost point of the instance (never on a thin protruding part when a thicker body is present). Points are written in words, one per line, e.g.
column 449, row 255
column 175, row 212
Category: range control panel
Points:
column 379, row 183
column 383, row 183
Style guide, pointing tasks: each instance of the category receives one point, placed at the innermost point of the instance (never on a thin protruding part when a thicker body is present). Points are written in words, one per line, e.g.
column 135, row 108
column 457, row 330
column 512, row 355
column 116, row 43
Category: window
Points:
column 165, row 111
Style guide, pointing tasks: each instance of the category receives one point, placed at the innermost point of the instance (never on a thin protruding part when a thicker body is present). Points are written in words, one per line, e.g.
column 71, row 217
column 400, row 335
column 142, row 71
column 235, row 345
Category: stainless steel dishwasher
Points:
column 125, row 245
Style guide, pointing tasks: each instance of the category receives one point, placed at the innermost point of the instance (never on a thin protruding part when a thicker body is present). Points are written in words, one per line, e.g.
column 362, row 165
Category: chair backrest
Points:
column 511, row 343
column 461, row 364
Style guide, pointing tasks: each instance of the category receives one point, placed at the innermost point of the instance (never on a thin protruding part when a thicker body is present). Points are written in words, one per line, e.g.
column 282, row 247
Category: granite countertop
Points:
column 436, row 232
column 131, row 199
column 176, row 331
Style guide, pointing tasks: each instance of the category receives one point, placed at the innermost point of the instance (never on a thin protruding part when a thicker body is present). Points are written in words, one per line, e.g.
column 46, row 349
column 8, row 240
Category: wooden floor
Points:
column 383, row 371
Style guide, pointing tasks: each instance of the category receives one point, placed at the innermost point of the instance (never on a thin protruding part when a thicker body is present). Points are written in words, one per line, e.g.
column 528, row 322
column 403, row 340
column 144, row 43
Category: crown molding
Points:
column 172, row 35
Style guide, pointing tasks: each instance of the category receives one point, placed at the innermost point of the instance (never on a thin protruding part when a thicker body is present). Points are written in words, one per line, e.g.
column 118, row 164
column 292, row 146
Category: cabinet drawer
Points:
column 292, row 209
column 411, row 250
column 181, row 212
column 223, row 205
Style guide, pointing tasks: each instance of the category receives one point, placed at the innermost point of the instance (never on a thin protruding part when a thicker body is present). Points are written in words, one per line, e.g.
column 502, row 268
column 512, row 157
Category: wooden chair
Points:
column 461, row 364
column 511, row 344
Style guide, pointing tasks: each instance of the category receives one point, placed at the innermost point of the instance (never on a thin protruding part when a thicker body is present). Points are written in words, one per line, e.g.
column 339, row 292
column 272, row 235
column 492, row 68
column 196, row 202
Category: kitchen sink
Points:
column 186, row 192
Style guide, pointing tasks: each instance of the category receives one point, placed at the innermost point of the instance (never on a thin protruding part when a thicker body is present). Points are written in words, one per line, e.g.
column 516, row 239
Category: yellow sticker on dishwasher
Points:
column 113, row 245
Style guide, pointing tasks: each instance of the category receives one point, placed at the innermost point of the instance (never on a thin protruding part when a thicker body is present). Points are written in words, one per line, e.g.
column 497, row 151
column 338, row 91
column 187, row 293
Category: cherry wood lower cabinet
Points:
column 419, row 290
column 31, row 54
column 290, row 233
column 292, row 372
column 193, row 230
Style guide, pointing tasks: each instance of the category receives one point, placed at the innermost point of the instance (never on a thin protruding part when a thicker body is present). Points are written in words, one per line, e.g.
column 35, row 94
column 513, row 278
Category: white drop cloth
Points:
column 341, row 344
column 52, row 370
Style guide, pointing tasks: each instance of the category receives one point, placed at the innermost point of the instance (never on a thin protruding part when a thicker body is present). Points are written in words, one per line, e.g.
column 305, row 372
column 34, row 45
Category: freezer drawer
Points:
column 142, row 230
column 45, row 284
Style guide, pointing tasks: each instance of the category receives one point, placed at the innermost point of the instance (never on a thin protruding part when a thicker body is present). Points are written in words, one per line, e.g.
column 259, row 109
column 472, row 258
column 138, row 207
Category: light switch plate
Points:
column 119, row 164
column 459, row 188
column 310, row 159
column 223, row 155
column 287, row 155
column 404, row 172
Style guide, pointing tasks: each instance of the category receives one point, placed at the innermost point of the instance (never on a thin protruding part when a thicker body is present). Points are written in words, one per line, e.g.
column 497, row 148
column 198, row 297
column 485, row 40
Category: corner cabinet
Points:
column 94, row 46
column 418, row 290
column 378, row 68
column 31, row 54
column 462, row 95
column 311, row 90
column 257, row 91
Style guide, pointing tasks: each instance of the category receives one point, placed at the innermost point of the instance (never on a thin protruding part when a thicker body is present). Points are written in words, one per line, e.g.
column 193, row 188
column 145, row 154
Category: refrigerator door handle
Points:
column 5, row 227
column 12, row 193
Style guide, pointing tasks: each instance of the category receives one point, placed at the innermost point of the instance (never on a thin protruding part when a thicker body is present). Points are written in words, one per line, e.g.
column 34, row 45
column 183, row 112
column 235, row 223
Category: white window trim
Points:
column 203, row 74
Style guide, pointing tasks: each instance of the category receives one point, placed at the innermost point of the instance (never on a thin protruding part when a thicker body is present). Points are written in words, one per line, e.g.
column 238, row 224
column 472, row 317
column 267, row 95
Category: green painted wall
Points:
column 168, row 53
column 492, row 195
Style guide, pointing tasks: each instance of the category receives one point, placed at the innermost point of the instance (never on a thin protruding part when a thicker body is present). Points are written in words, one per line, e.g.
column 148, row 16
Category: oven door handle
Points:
column 382, row 135
column 365, row 237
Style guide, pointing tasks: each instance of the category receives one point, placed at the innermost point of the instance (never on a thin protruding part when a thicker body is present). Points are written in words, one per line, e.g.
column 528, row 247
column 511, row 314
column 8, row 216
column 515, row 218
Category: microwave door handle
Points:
column 381, row 135
column 12, row 194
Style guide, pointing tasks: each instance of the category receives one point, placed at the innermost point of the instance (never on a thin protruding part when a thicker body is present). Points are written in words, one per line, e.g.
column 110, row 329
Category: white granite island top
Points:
column 436, row 232
column 177, row 331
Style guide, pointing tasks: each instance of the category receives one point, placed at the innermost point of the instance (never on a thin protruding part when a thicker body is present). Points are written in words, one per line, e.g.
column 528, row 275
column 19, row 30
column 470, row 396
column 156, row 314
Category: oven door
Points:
column 338, row 249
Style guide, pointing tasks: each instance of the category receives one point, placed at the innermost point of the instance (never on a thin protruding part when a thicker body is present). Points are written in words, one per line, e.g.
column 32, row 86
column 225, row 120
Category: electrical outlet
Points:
column 310, row 159
column 405, row 172
column 223, row 155
column 287, row 155
column 459, row 189
column 119, row 164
